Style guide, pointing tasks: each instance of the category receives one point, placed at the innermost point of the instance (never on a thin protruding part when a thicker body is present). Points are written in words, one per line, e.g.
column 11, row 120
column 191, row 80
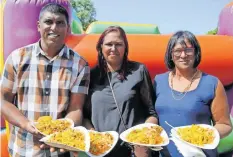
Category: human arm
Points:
column 79, row 90
column 12, row 114
column 87, row 114
column 87, row 124
column 148, row 97
column 75, row 112
column 8, row 94
column 87, row 110
column 220, row 111
column 75, row 109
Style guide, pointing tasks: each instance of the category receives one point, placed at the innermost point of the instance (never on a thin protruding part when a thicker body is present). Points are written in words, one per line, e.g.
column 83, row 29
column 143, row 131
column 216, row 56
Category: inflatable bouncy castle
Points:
column 147, row 45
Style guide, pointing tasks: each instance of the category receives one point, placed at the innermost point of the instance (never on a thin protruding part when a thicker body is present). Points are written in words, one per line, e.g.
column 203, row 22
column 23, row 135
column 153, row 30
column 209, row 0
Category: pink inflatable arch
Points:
column 225, row 27
column 225, row 24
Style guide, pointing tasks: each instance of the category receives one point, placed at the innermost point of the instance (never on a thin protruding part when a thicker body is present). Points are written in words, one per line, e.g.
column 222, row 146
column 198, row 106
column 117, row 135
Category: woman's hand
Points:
column 141, row 151
column 75, row 154
column 87, row 124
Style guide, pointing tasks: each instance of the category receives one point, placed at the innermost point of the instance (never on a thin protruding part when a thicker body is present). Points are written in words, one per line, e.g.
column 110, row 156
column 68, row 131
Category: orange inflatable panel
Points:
column 4, row 147
column 217, row 53
column 73, row 40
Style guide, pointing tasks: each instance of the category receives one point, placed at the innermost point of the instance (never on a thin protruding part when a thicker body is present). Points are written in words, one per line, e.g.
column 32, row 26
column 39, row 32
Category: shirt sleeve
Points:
column 148, row 94
column 220, row 107
column 87, row 107
column 81, row 78
column 155, row 87
column 8, row 82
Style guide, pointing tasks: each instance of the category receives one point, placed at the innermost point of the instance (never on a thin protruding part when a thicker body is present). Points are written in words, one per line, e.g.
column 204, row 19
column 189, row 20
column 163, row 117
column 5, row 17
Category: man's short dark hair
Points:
column 180, row 37
column 54, row 8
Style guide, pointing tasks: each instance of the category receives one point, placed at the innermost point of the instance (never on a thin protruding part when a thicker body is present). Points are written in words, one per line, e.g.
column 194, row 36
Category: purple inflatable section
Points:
column 20, row 22
column 225, row 27
column 225, row 24
column 230, row 99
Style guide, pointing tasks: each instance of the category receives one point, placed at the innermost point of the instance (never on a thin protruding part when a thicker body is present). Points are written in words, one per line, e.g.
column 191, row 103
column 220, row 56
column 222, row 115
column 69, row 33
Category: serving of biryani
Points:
column 69, row 137
column 146, row 135
column 196, row 135
column 47, row 125
column 100, row 142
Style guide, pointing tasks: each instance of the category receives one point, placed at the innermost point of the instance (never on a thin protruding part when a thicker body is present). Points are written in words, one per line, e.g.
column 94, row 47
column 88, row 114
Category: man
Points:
column 44, row 78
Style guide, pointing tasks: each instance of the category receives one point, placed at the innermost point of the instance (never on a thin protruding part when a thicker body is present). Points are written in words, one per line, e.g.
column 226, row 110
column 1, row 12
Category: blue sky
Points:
column 198, row 16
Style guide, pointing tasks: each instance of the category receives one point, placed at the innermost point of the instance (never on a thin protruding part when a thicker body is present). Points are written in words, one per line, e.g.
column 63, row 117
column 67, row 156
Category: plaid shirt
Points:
column 43, row 86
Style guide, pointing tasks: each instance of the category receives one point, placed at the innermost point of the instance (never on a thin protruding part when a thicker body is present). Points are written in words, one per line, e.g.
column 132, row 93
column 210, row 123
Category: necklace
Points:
column 182, row 94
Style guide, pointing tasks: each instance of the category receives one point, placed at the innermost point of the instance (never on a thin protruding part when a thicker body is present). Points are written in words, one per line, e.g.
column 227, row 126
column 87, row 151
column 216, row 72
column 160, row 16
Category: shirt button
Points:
column 48, row 76
column 46, row 92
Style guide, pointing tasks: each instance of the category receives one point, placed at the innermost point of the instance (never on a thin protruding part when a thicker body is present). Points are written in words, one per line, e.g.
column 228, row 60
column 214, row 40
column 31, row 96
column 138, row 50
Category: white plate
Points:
column 213, row 145
column 163, row 134
column 59, row 145
column 115, row 139
column 67, row 119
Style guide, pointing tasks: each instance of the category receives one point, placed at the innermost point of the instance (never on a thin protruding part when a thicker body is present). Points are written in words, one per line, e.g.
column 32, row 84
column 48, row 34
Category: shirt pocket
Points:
column 64, row 79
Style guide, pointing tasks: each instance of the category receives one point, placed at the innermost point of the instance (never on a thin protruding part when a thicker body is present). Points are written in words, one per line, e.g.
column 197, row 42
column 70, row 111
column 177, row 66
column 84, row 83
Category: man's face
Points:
column 53, row 29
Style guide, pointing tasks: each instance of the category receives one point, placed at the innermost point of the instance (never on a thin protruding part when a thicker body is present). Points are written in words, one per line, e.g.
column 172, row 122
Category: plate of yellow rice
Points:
column 199, row 135
column 147, row 134
column 72, row 139
column 101, row 143
column 47, row 126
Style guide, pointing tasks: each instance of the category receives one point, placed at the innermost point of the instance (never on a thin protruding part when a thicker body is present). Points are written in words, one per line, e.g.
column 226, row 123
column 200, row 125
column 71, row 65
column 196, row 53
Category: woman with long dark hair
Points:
column 121, row 94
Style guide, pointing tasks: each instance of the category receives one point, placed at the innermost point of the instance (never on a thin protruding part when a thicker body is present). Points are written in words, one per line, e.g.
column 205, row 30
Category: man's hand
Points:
column 30, row 127
column 52, row 149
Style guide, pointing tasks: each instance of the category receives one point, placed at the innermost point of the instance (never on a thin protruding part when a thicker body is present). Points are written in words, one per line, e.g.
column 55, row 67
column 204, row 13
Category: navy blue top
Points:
column 193, row 108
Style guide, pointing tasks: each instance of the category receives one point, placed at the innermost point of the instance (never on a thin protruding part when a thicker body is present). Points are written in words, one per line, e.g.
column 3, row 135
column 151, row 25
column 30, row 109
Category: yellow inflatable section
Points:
column 1, row 36
column 1, row 52
column 2, row 4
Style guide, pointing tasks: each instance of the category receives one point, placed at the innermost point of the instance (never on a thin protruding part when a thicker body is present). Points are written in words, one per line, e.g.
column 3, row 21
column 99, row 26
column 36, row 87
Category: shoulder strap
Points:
column 113, row 94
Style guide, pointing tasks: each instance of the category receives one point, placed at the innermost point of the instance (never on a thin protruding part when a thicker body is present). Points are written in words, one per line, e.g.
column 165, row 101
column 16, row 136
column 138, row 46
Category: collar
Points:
column 64, row 52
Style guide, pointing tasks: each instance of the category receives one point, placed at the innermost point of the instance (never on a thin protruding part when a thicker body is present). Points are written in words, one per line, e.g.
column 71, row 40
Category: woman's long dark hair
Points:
column 102, row 65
